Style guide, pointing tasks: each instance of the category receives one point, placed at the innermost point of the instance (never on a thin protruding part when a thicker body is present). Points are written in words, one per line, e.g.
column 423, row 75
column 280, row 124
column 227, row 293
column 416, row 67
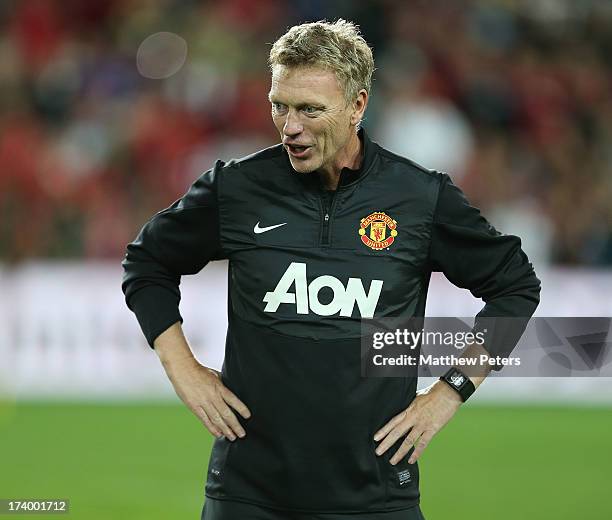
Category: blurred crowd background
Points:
column 109, row 109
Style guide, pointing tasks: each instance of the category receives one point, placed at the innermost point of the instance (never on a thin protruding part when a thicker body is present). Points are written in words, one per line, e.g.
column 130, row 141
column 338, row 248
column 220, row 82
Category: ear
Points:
column 359, row 106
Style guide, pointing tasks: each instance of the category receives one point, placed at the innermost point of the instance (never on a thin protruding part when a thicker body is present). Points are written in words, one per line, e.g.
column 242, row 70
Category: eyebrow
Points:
column 303, row 104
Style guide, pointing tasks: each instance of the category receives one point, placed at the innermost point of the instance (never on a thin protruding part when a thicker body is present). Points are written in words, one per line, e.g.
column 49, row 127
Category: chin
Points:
column 303, row 166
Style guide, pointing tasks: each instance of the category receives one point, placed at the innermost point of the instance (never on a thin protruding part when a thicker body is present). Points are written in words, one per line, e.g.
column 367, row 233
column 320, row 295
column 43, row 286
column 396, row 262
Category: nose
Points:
column 292, row 126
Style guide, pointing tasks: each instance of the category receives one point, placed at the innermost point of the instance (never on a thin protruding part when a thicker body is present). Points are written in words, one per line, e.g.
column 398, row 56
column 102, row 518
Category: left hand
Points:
column 430, row 410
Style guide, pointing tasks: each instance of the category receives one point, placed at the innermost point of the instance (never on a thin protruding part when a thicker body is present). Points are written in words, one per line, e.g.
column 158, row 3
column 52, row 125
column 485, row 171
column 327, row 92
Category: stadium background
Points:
column 109, row 109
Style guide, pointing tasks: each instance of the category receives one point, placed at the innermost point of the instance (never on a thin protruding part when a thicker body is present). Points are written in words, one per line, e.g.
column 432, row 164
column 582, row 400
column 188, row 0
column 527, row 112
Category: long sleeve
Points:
column 473, row 255
column 179, row 240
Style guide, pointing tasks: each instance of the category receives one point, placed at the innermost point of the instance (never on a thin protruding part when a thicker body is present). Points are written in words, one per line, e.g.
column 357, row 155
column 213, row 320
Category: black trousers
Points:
column 227, row 510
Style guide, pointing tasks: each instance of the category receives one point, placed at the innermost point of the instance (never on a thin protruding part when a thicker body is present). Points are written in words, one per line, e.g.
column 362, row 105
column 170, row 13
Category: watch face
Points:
column 457, row 380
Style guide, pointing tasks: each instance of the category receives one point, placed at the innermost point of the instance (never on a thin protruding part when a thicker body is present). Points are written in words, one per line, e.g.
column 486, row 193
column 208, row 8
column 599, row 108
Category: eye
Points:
column 310, row 109
column 278, row 107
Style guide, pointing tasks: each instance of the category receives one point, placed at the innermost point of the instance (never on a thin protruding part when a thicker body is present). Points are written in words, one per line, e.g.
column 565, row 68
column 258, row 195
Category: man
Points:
column 320, row 231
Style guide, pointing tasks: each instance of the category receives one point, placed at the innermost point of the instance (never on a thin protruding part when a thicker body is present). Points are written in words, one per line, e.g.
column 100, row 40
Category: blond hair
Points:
column 337, row 46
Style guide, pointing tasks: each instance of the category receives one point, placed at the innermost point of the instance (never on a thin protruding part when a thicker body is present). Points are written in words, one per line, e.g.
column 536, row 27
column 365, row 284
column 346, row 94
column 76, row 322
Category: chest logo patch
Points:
column 378, row 230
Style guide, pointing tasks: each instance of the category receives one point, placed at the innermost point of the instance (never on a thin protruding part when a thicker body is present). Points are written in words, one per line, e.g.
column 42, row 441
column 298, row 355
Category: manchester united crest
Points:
column 378, row 230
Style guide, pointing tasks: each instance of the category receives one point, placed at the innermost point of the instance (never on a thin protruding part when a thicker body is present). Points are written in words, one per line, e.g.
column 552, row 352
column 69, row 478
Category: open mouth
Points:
column 297, row 151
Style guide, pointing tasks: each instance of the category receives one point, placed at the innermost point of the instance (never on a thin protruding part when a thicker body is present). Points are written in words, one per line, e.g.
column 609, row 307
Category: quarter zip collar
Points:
column 348, row 176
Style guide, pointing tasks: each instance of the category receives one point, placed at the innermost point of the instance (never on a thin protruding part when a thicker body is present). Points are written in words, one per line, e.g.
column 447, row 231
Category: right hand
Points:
column 202, row 390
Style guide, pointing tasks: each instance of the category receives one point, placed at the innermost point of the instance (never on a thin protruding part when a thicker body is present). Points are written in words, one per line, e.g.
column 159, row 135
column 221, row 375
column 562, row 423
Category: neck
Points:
column 350, row 157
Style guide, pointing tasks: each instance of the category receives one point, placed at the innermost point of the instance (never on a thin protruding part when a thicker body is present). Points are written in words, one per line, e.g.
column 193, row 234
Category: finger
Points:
column 230, row 398
column 217, row 419
column 203, row 416
column 229, row 418
column 400, row 430
column 389, row 426
column 420, row 447
column 404, row 448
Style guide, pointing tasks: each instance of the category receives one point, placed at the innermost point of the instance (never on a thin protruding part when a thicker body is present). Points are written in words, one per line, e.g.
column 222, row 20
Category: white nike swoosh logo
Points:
column 258, row 229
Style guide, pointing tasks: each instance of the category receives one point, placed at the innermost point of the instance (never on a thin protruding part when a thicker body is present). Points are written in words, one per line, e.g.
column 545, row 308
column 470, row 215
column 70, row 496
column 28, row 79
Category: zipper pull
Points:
column 326, row 218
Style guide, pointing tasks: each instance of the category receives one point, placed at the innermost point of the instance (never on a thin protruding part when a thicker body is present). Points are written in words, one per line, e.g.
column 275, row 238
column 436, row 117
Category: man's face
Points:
column 311, row 115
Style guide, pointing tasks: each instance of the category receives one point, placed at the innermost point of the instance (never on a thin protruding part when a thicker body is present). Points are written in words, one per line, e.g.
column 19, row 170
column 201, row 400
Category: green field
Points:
column 147, row 461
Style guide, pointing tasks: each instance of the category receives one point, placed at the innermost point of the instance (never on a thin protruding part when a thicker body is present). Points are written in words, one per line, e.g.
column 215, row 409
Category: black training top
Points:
column 305, row 267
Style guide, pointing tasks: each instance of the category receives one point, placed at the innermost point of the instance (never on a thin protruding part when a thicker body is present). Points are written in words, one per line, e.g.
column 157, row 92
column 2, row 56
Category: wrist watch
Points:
column 459, row 382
